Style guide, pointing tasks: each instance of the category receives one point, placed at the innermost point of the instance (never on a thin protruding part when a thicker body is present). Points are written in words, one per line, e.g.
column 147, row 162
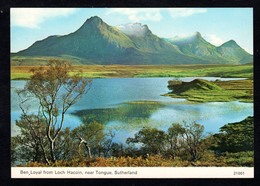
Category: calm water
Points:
column 107, row 100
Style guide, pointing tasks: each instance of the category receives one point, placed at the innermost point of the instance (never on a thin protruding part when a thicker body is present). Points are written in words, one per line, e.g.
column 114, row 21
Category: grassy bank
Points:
column 117, row 71
column 217, row 91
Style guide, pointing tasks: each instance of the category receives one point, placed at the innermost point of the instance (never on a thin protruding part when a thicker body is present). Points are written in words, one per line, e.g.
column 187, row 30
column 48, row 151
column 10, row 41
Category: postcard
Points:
column 132, row 93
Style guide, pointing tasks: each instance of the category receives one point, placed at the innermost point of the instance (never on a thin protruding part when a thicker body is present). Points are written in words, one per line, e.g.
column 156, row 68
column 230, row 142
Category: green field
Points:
column 116, row 71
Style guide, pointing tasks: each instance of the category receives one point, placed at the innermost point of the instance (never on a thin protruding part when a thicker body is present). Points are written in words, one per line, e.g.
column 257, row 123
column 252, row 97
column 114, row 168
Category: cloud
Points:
column 138, row 14
column 154, row 14
column 32, row 17
column 184, row 35
column 185, row 12
column 214, row 39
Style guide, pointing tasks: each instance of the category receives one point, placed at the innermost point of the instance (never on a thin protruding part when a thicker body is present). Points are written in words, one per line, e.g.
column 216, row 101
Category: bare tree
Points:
column 56, row 92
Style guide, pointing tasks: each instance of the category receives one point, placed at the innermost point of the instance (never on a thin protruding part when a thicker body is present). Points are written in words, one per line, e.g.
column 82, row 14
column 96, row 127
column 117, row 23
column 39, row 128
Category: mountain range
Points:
column 96, row 42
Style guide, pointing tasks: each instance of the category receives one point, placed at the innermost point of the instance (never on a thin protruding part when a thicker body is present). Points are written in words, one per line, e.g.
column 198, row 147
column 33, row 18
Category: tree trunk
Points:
column 89, row 151
column 86, row 145
column 52, row 150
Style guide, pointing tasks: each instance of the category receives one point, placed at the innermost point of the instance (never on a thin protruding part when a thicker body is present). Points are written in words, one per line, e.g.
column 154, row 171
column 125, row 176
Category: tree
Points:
column 31, row 143
column 55, row 92
column 175, row 136
column 193, row 135
column 188, row 140
column 93, row 140
column 153, row 140
column 235, row 137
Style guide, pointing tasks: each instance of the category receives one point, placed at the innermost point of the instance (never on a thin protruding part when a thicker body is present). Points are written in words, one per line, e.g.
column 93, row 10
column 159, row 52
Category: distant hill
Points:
column 96, row 42
column 233, row 52
column 228, row 53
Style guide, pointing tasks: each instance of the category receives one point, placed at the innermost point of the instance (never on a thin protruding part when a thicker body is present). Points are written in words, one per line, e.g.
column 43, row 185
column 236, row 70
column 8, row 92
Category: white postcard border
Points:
column 132, row 172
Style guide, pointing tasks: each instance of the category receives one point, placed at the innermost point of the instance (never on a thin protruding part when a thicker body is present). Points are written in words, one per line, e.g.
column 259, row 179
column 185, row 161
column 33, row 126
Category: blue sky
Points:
column 216, row 25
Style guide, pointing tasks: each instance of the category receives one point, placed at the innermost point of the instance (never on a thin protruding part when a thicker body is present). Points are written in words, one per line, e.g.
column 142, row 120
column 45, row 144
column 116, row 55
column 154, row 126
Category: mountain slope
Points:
column 145, row 40
column 94, row 40
column 156, row 50
column 196, row 45
column 233, row 52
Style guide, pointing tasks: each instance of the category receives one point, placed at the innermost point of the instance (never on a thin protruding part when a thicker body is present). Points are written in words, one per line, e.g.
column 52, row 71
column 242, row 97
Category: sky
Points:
column 216, row 25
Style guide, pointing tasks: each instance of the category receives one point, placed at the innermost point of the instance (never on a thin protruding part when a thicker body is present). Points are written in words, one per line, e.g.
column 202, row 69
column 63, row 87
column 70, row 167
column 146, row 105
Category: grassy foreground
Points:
column 207, row 91
column 117, row 71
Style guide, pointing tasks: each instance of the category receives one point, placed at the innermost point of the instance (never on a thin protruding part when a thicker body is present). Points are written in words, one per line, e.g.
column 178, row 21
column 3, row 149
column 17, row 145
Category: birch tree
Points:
column 55, row 92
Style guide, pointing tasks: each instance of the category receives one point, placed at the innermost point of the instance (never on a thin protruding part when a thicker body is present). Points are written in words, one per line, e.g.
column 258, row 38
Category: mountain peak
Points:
column 231, row 50
column 91, row 23
column 134, row 29
column 197, row 34
column 93, row 20
column 230, row 43
column 186, row 38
